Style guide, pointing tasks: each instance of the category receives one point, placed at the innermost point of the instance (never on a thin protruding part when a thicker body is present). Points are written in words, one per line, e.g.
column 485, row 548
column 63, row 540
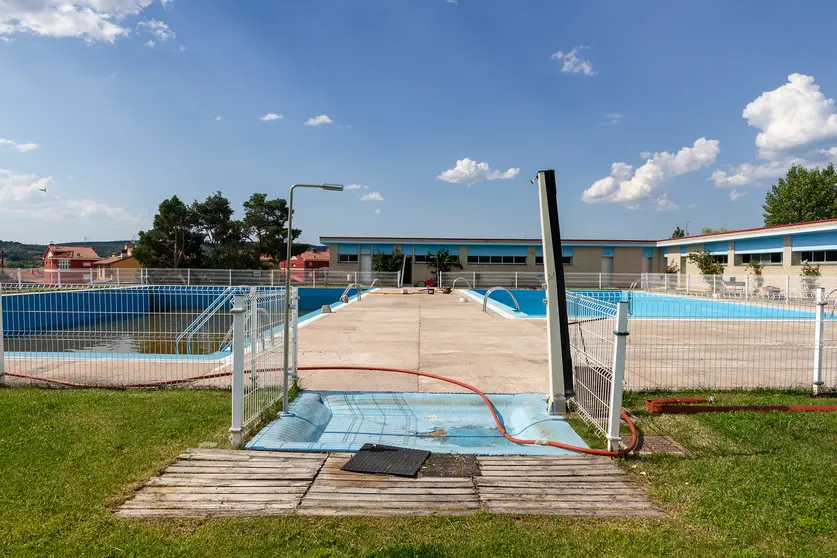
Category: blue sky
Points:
column 111, row 124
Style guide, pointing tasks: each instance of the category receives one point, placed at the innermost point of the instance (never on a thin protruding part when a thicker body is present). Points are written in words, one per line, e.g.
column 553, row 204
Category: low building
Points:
column 73, row 263
column 306, row 261
column 110, row 268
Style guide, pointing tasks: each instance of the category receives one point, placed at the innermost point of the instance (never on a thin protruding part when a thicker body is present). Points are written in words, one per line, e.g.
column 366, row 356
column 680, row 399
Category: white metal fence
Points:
column 322, row 277
column 597, row 344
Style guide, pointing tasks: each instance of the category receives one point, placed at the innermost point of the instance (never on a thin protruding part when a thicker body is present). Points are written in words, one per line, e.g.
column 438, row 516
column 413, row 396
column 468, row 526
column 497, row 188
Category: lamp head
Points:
column 332, row 187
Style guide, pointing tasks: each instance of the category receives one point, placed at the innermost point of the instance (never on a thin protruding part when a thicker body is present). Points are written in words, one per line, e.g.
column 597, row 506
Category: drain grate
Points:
column 386, row 460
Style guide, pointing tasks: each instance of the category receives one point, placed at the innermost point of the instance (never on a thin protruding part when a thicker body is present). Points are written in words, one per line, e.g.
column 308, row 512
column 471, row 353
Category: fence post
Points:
column 59, row 276
column 688, row 282
column 618, row 377
column 255, row 334
column 747, row 286
column 600, row 281
column 19, row 279
column 714, row 285
column 2, row 356
column 475, row 279
column 231, row 278
column 787, row 289
column 665, row 283
column 237, row 428
column 398, row 279
column 818, row 340
column 295, row 335
column 188, row 275
column 117, row 276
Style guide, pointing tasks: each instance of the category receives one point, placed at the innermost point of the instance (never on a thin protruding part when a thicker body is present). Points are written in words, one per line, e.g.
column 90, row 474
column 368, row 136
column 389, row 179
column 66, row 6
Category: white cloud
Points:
column 794, row 115
column 22, row 194
column 571, row 63
column 831, row 152
column 356, row 187
column 149, row 43
column 7, row 40
column 735, row 194
column 469, row 171
column 160, row 30
column 317, row 120
column 646, row 154
column 664, row 204
column 272, row 116
column 17, row 146
column 377, row 212
column 612, row 118
column 181, row 48
column 91, row 20
column 747, row 174
column 624, row 185
column 219, row 118
column 372, row 196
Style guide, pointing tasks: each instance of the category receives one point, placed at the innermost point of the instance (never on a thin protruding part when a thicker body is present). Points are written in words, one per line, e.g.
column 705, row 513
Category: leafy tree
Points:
column 678, row 233
column 710, row 230
column 223, row 235
column 706, row 263
column 442, row 262
column 803, row 195
column 265, row 226
column 671, row 268
column 810, row 275
column 756, row 268
column 387, row 262
column 174, row 240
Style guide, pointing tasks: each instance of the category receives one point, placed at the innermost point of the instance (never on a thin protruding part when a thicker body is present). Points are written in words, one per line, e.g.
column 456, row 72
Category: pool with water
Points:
column 650, row 305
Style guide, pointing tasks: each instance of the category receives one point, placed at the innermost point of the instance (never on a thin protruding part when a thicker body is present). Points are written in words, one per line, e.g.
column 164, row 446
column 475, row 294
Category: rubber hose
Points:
column 685, row 406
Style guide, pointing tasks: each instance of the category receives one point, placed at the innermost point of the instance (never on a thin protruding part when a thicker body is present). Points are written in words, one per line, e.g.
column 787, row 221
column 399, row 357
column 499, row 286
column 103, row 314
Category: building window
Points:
column 519, row 260
column 424, row 258
column 819, row 256
column 566, row 260
column 347, row 258
column 766, row 259
column 721, row 258
column 63, row 264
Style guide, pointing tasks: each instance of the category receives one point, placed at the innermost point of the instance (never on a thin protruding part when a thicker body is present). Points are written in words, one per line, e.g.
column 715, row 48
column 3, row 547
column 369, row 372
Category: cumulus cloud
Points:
column 377, row 212
column 572, row 63
column 318, row 120
column 149, row 43
column 469, row 171
column 747, row 174
column 219, row 118
column 735, row 194
column 635, row 187
column 646, row 154
column 22, row 194
column 612, row 118
column 356, row 187
column 664, row 204
column 795, row 115
column 91, row 20
column 372, row 196
column 17, row 146
column 160, row 30
column 272, row 116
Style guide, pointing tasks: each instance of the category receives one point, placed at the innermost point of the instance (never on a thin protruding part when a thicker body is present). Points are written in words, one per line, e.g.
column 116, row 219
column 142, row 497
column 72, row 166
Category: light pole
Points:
column 287, row 330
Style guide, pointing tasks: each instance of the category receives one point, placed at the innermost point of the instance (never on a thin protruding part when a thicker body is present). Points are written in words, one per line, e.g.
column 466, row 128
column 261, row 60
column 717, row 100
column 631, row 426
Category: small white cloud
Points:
column 646, row 154
column 158, row 29
column 792, row 116
column 453, row 1
column 181, row 48
column 747, row 174
column 272, row 116
column 219, row 118
column 377, row 212
column 356, row 187
column 831, row 152
column 735, row 194
column 571, row 63
column 469, row 171
column 7, row 40
column 664, row 204
column 372, row 196
column 630, row 187
column 149, row 43
column 612, row 118
column 17, row 146
column 318, row 120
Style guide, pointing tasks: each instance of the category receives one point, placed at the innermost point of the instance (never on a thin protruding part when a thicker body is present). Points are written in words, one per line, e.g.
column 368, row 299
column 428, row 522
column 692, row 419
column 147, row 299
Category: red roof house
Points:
column 74, row 262
column 307, row 261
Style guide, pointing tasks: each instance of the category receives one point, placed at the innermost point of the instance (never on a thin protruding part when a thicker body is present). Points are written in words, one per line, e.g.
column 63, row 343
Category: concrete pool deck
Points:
column 430, row 333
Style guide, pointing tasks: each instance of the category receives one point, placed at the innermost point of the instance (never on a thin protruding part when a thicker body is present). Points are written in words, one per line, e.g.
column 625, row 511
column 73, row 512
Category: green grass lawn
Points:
column 754, row 485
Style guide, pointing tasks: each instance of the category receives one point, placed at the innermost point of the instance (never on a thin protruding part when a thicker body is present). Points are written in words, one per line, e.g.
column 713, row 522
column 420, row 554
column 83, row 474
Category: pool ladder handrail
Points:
column 493, row 289
column 453, row 285
column 349, row 288
column 217, row 304
column 373, row 283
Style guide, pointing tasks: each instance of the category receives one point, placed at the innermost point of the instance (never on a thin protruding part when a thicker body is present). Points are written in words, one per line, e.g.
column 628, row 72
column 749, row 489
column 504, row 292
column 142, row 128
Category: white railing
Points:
column 598, row 331
column 782, row 288
column 322, row 277
column 535, row 280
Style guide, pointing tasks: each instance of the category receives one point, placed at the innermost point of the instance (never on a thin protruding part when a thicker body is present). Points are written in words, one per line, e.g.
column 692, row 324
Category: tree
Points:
column 265, row 226
column 678, row 233
column 756, row 268
column 387, row 262
column 223, row 235
column 706, row 263
column 442, row 262
column 710, row 230
column 803, row 195
column 173, row 241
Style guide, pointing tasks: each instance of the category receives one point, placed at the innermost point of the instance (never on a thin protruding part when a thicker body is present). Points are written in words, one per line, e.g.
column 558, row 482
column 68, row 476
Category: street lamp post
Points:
column 287, row 328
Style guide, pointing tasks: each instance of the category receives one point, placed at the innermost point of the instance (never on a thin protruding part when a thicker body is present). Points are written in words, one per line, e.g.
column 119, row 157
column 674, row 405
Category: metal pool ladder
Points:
column 453, row 285
column 203, row 318
column 349, row 288
column 491, row 290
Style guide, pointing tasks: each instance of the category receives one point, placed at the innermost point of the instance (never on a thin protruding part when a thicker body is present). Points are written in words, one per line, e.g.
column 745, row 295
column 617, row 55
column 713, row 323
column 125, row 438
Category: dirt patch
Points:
column 656, row 444
column 450, row 465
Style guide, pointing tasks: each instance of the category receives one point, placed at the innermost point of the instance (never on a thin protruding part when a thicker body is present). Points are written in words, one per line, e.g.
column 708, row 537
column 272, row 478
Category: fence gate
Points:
column 598, row 331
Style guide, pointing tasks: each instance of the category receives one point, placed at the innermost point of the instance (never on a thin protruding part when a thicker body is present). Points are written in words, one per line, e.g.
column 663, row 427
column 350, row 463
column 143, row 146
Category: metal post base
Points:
column 236, row 437
column 557, row 406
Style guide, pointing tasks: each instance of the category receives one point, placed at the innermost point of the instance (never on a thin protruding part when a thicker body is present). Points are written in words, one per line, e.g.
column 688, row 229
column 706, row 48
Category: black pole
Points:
column 563, row 319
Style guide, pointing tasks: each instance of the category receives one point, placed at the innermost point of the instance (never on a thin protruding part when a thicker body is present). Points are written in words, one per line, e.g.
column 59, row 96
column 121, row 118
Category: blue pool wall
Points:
column 63, row 310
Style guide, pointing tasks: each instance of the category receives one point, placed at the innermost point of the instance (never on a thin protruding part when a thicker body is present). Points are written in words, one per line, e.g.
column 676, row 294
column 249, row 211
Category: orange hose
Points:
column 500, row 426
column 684, row 406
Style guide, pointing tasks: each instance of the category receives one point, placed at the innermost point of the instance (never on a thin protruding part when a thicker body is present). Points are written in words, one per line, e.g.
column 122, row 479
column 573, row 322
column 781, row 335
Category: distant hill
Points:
column 19, row 254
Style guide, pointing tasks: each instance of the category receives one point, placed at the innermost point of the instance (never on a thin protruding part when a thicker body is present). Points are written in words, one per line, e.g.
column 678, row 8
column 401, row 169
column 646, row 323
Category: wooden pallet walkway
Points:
column 208, row 482
column 565, row 485
column 337, row 492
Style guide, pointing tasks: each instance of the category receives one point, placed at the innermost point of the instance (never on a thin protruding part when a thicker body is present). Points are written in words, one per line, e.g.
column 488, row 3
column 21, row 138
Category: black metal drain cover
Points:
column 386, row 460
